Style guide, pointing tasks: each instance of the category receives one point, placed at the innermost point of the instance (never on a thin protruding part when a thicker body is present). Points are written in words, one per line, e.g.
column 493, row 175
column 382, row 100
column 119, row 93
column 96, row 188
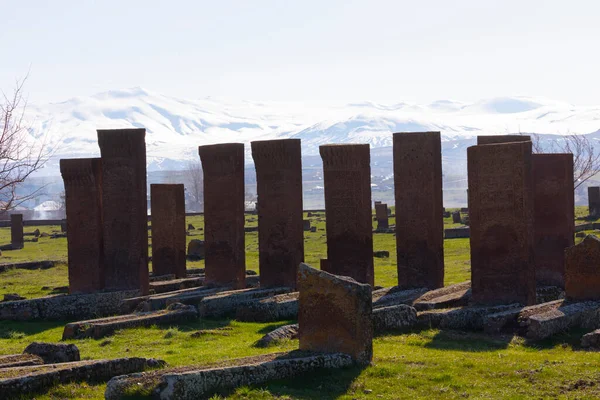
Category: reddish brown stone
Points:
column 420, row 225
column 335, row 314
column 280, row 225
column 594, row 200
column 497, row 139
column 582, row 272
column 501, row 220
column 16, row 231
column 168, row 229
column 554, row 215
column 223, row 166
column 83, row 199
column 124, row 208
column 347, row 179
column 381, row 215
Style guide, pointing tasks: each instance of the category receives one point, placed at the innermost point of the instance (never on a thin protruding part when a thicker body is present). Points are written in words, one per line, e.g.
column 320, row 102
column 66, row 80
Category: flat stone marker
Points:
column 594, row 200
column 498, row 139
column 335, row 314
column 582, row 270
column 280, row 225
column 124, row 209
column 83, row 199
column 16, row 231
column 554, row 215
column 501, row 222
column 168, row 229
column 225, row 257
column 420, row 225
column 347, row 180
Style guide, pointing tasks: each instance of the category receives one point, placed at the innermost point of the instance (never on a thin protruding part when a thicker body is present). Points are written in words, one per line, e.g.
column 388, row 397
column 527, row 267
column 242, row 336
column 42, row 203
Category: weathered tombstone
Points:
column 225, row 258
column 456, row 217
column 16, row 231
column 501, row 221
column 168, row 229
column 381, row 214
column 498, row 139
column 582, row 271
column 83, row 200
column 347, row 180
column 420, row 225
column 594, row 201
column 63, row 226
column 280, row 225
column 124, row 209
column 554, row 215
column 195, row 250
column 335, row 314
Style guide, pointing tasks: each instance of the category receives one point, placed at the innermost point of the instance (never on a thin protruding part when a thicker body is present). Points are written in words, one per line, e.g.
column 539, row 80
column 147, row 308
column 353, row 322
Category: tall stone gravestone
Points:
column 347, row 179
column 16, row 231
column 501, row 222
column 582, row 274
column 594, row 201
column 554, row 215
column 420, row 225
column 280, row 223
column 168, row 229
column 225, row 257
column 124, row 208
column 381, row 215
column 82, row 178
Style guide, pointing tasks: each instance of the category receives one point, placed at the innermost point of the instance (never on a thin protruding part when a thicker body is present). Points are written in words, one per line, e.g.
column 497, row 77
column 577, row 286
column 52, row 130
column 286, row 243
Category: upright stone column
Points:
column 83, row 199
column 124, row 208
column 497, row 139
column 280, row 224
column 420, row 224
column 16, row 231
column 347, row 179
column 168, row 229
column 223, row 166
column 594, row 201
column 381, row 215
column 501, row 222
column 554, row 215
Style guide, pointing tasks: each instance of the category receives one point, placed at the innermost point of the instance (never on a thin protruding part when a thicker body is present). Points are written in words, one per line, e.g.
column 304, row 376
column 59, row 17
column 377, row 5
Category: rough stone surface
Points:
column 53, row 353
column 223, row 168
column 395, row 295
column 381, row 215
column 594, row 201
column 465, row 318
column 347, row 181
column 280, row 225
column 98, row 328
column 176, row 284
column 83, row 200
column 124, row 209
column 19, row 360
column 195, row 250
column 335, row 314
column 168, row 229
column 554, row 215
column 570, row 315
column 582, row 274
column 160, row 301
column 420, row 225
column 395, row 317
column 456, row 217
column 498, row 139
column 275, row 308
column 448, row 297
column 457, row 233
column 226, row 303
column 545, row 294
column 285, row 332
column 591, row 339
column 381, row 254
column 513, row 320
column 16, row 231
column 31, row 265
column 501, row 218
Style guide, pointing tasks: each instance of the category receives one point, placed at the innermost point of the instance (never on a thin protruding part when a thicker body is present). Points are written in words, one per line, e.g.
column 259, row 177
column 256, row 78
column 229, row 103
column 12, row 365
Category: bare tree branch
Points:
column 194, row 184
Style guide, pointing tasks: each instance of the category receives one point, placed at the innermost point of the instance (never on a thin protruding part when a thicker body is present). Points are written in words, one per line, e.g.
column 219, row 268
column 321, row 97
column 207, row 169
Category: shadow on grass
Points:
column 273, row 326
column 572, row 339
column 468, row 341
column 16, row 329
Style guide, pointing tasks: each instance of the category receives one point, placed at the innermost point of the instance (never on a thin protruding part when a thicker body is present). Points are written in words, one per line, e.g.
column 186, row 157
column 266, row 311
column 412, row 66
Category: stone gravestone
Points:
column 334, row 314
column 124, row 209
column 280, row 223
column 168, row 229
column 306, row 225
column 582, row 271
column 195, row 250
column 347, row 181
column 554, row 215
column 420, row 225
column 225, row 257
column 497, row 139
column 16, row 231
column 501, row 221
column 381, row 214
column 456, row 217
column 594, row 201
column 82, row 178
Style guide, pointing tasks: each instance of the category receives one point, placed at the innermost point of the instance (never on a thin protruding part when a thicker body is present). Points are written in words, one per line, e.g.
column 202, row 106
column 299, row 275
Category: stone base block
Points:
column 276, row 308
column 226, row 303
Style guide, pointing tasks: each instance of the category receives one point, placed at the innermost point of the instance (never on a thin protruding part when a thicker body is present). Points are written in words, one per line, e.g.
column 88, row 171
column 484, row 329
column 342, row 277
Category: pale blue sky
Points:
column 341, row 51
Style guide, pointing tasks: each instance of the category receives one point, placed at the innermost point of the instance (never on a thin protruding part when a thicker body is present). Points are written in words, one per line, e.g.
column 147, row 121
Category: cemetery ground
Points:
column 412, row 364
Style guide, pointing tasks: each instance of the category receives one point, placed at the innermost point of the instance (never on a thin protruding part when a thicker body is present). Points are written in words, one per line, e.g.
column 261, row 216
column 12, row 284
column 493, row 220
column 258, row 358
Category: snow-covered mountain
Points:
column 176, row 127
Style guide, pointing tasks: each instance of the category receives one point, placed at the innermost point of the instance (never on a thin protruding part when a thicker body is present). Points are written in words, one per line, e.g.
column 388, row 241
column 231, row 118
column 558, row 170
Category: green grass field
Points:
column 411, row 365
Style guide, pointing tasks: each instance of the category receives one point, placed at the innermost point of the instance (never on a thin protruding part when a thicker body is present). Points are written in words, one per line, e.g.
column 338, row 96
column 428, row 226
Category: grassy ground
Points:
column 412, row 365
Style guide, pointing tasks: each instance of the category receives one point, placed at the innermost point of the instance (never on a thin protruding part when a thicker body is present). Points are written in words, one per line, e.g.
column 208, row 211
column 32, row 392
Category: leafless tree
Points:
column 194, row 184
column 586, row 157
column 20, row 154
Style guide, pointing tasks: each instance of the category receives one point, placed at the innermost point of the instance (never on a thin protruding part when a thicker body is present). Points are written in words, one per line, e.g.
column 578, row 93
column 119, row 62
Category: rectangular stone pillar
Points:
column 83, row 200
column 16, row 231
column 280, row 223
column 497, row 139
column 419, row 209
column 347, row 181
column 223, row 166
column 554, row 215
column 124, row 208
column 594, row 201
column 381, row 215
column 168, row 229
column 501, row 223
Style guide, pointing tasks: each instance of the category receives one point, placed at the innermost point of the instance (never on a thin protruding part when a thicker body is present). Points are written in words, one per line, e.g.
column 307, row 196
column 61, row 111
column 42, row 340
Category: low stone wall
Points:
column 457, row 233
column 275, row 308
column 19, row 360
column 31, row 265
column 226, row 303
